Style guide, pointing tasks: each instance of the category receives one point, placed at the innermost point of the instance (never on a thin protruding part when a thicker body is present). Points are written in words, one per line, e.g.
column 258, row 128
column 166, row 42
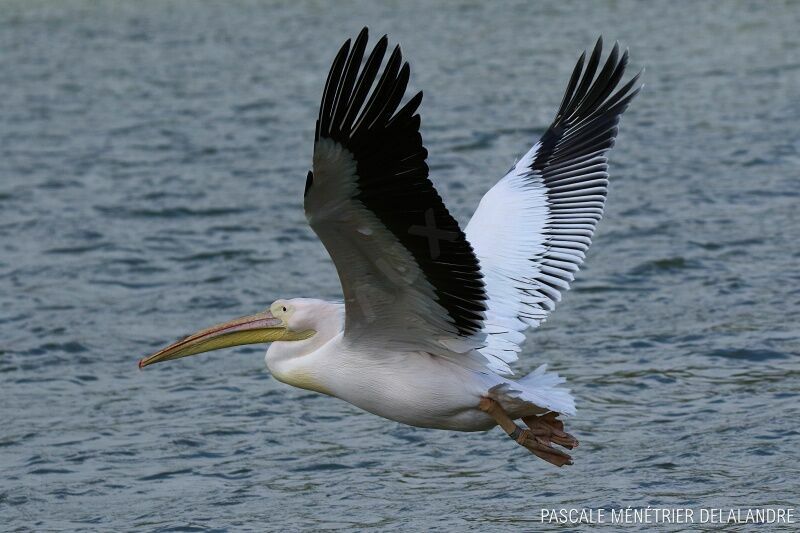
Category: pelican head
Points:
column 285, row 320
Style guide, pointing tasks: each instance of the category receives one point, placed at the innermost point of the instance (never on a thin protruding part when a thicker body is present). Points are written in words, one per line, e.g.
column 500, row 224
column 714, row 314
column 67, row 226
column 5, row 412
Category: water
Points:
column 153, row 157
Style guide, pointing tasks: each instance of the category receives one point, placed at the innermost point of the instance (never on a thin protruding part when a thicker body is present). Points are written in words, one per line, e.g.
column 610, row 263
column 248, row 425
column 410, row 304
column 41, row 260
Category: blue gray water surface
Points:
column 152, row 163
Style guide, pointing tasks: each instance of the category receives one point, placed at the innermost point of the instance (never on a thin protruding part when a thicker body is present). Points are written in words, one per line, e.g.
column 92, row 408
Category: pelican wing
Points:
column 409, row 276
column 532, row 229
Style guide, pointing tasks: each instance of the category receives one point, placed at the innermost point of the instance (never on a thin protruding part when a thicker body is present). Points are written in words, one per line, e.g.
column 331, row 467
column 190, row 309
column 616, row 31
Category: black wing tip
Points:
column 414, row 102
column 397, row 54
column 587, row 94
column 588, row 118
column 349, row 104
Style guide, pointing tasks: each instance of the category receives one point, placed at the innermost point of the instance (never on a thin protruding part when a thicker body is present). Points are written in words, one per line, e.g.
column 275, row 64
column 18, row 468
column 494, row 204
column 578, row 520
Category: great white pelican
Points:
column 433, row 315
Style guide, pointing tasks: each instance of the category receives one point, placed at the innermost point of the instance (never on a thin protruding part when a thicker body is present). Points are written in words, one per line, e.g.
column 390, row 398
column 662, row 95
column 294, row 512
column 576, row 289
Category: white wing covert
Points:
column 532, row 229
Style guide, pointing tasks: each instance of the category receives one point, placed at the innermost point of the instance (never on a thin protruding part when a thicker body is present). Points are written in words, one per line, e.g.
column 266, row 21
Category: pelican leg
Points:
column 551, row 429
column 536, row 444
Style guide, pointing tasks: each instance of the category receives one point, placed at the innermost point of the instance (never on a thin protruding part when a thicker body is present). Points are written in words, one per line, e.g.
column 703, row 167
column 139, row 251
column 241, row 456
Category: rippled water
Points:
column 152, row 162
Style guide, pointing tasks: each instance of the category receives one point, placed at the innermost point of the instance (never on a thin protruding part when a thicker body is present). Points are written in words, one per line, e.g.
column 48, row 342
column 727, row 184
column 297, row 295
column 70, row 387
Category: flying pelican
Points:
column 433, row 315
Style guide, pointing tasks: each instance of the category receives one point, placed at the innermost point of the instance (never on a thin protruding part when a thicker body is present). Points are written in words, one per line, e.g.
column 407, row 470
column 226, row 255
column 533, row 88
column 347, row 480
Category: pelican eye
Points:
column 284, row 308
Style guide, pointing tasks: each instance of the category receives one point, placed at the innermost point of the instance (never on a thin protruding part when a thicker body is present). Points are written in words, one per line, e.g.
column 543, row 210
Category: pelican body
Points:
column 413, row 388
column 433, row 316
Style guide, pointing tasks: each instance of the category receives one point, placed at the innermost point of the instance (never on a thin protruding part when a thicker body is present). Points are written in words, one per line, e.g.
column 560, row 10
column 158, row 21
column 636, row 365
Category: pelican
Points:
column 432, row 315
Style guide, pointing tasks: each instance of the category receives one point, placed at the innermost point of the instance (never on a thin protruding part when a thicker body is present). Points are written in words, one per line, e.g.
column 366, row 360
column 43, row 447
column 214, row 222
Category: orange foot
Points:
column 551, row 429
column 544, row 430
